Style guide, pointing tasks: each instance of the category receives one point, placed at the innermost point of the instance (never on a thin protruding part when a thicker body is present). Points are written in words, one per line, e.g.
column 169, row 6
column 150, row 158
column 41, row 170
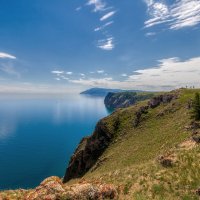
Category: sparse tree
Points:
column 196, row 107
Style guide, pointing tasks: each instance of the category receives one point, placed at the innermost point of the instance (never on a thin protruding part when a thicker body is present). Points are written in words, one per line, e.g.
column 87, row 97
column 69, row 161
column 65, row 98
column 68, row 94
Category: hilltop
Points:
column 146, row 151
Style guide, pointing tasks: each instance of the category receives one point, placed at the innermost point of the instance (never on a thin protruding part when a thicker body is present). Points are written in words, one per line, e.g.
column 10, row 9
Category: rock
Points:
column 194, row 125
column 138, row 115
column 165, row 98
column 189, row 104
column 166, row 161
column 198, row 191
column 124, row 99
column 52, row 188
column 88, row 152
column 196, row 138
column 85, row 191
column 119, row 100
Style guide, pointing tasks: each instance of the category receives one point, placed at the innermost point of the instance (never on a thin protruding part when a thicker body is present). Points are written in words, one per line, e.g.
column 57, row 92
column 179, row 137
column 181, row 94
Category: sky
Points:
column 53, row 46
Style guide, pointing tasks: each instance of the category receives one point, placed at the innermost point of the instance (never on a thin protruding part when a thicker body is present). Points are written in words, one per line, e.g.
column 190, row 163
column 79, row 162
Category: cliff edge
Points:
column 125, row 99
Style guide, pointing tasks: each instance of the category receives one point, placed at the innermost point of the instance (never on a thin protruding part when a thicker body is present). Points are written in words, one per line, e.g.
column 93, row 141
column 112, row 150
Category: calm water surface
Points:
column 39, row 134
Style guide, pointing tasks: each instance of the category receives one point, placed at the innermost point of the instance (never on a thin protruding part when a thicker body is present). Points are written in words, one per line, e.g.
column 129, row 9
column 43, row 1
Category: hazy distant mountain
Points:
column 104, row 91
column 100, row 91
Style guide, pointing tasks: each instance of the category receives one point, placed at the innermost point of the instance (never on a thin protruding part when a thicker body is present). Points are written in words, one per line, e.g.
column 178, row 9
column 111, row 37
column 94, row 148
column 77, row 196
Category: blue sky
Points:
column 71, row 45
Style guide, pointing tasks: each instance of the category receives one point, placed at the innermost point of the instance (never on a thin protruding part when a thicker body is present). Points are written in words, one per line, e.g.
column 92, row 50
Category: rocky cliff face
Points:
column 124, row 99
column 92, row 147
column 88, row 151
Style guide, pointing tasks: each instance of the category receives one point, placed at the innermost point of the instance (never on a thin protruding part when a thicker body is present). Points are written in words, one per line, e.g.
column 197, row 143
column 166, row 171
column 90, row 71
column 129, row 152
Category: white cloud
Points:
column 69, row 73
column 100, row 71
column 93, row 81
column 78, row 8
column 6, row 55
column 124, row 75
column 150, row 34
column 57, row 72
column 182, row 13
column 82, row 74
column 103, row 26
column 106, row 44
column 58, row 79
column 169, row 74
column 108, row 15
column 99, row 5
column 63, row 77
column 170, row 71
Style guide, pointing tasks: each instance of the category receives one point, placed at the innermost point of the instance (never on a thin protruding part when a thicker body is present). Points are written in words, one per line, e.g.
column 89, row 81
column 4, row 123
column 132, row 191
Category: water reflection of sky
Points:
column 38, row 135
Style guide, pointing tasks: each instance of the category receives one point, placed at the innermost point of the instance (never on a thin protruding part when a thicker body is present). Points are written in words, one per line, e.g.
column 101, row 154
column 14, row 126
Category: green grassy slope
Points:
column 131, row 161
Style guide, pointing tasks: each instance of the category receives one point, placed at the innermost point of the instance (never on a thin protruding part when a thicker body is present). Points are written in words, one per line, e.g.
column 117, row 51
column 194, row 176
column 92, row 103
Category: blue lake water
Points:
column 38, row 134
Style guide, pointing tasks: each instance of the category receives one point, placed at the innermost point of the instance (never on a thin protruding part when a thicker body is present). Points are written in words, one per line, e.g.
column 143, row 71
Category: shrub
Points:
column 196, row 107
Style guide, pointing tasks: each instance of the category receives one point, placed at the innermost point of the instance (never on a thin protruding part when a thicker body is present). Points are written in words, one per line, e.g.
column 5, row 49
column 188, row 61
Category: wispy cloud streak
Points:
column 182, row 13
column 108, row 15
column 6, row 55
column 99, row 5
column 106, row 44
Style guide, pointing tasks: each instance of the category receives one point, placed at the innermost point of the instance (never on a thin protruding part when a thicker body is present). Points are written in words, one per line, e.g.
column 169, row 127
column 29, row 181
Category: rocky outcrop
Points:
column 52, row 188
column 142, row 110
column 165, row 98
column 167, row 161
column 88, row 152
column 124, row 99
column 153, row 103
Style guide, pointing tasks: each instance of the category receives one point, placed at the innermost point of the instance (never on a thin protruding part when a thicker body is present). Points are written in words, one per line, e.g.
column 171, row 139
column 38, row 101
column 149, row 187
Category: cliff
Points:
column 88, row 151
column 125, row 99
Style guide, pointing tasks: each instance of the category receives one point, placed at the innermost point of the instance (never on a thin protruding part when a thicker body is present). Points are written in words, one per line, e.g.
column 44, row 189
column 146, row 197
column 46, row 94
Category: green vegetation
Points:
column 196, row 106
column 132, row 159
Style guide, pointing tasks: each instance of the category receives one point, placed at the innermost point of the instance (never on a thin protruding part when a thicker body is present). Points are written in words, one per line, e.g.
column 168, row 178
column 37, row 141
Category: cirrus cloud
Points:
column 99, row 5
column 106, row 44
column 57, row 72
column 182, row 13
column 6, row 55
column 108, row 15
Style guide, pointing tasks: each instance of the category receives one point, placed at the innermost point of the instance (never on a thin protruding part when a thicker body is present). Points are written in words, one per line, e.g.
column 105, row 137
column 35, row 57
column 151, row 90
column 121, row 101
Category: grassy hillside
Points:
column 132, row 160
